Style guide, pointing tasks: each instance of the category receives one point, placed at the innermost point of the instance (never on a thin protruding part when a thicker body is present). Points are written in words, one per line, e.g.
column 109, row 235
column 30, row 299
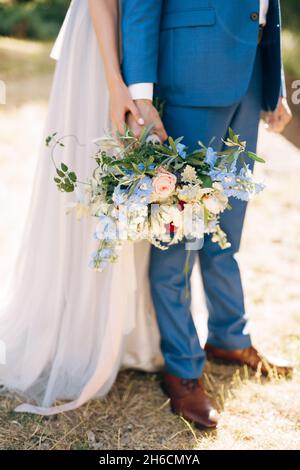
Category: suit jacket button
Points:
column 254, row 16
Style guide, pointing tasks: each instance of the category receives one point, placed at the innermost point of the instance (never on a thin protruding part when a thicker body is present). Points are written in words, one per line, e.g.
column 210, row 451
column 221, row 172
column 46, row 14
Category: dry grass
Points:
column 256, row 414
column 135, row 415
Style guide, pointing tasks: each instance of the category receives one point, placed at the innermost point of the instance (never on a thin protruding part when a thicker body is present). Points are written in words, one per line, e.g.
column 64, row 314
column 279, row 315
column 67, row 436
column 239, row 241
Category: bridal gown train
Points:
column 68, row 330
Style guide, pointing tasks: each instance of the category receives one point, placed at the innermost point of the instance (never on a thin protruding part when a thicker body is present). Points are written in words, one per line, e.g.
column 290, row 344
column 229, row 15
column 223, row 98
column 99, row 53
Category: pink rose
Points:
column 164, row 183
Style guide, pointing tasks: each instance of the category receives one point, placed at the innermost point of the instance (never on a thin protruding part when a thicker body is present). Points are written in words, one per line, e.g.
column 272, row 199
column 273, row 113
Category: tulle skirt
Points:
column 66, row 329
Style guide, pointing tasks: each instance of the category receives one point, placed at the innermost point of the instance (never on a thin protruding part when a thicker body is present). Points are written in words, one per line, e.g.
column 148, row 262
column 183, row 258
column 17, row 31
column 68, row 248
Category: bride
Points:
column 68, row 330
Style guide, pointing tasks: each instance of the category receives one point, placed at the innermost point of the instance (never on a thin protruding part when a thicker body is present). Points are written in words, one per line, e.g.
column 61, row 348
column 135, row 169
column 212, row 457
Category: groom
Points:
column 216, row 64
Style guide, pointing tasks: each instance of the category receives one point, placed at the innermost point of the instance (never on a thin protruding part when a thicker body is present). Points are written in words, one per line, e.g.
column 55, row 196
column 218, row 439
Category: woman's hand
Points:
column 121, row 104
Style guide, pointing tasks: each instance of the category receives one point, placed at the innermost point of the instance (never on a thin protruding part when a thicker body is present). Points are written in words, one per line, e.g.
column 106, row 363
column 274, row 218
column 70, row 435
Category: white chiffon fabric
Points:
column 67, row 329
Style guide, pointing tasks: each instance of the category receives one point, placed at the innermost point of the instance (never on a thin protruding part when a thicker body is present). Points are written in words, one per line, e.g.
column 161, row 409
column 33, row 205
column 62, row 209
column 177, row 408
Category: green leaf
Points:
column 206, row 215
column 72, row 176
column 230, row 143
column 64, row 167
column 179, row 166
column 132, row 188
column 49, row 139
column 136, row 169
column 173, row 145
column 68, row 188
column 255, row 157
column 206, row 180
column 225, row 153
column 163, row 149
column 201, row 144
column 211, row 141
column 57, row 180
column 195, row 162
column 179, row 140
column 60, row 173
column 231, row 134
column 197, row 154
column 145, row 133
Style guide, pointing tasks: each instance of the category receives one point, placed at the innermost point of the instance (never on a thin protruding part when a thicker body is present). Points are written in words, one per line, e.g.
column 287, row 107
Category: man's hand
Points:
column 278, row 120
column 150, row 115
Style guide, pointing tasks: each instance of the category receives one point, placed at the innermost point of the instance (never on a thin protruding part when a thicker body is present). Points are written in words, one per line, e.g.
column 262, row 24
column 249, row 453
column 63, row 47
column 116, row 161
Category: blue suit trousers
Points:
column 227, row 324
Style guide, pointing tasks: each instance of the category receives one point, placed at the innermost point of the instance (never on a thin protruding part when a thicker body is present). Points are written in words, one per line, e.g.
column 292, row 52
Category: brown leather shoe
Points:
column 250, row 357
column 189, row 399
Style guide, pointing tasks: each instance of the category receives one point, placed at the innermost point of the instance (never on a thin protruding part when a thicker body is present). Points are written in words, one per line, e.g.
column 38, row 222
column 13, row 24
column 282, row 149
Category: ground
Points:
column 256, row 413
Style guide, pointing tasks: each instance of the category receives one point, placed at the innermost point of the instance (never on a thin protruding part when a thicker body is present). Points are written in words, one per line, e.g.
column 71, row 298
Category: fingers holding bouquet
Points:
column 150, row 116
column 135, row 114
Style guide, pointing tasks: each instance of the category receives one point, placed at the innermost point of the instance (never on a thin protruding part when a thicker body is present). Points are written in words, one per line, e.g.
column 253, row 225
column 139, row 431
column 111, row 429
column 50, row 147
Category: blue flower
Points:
column 233, row 166
column 237, row 194
column 141, row 166
column 181, row 149
column 119, row 196
column 97, row 263
column 245, row 174
column 142, row 191
column 105, row 253
column 211, row 157
column 106, row 228
column 152, row 166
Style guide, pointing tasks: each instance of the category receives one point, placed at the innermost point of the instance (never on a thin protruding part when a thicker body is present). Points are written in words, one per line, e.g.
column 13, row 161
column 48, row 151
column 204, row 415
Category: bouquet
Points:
column 142, row 189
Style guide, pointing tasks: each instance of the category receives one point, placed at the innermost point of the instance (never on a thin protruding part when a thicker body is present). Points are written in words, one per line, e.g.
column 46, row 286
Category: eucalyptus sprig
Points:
column 65, row 178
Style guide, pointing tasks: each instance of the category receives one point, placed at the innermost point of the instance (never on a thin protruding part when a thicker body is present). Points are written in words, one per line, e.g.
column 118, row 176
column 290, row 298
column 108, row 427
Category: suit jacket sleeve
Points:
column 140, row 40
column 283, row 91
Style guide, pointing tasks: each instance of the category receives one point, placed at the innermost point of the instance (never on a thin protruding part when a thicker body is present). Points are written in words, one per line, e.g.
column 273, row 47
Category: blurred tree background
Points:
column 34, row 19
column 291, row 14
column 41, row 19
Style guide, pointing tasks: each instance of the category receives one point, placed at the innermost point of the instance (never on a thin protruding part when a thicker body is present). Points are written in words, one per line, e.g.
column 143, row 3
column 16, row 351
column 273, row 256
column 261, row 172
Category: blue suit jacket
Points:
column 201, row 52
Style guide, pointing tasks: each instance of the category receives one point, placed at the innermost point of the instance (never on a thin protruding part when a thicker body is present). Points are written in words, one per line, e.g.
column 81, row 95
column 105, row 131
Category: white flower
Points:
column 192, row 193
column 216, row 185
column 107, row 143
column 213, row 204
column 161, row 216
column 189, row 174
column 220, row 237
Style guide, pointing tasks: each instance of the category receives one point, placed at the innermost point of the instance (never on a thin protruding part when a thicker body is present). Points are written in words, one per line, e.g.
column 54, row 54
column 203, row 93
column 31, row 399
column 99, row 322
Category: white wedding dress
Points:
column 68, row 330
